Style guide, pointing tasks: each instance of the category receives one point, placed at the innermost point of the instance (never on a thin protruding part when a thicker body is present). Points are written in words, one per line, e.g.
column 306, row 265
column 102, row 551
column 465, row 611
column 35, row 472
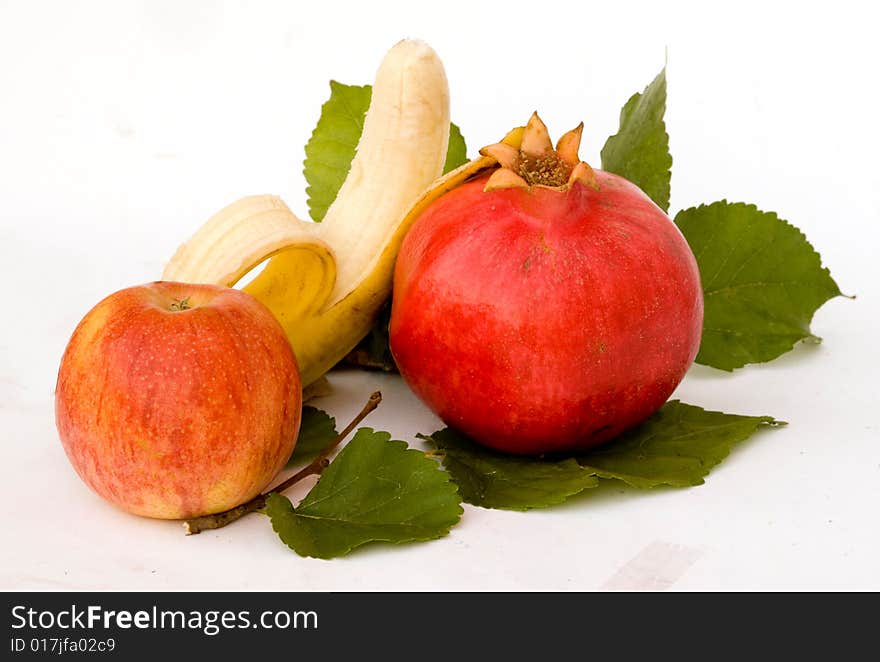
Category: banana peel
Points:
column 325, row 282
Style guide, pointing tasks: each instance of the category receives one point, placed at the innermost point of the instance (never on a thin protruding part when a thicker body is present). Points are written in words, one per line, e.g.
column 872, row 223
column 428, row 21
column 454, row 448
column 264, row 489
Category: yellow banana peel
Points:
column 325, row 282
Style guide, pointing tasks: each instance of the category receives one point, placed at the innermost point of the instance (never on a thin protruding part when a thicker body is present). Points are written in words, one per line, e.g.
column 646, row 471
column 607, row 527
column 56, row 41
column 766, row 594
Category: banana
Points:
column 325, row 282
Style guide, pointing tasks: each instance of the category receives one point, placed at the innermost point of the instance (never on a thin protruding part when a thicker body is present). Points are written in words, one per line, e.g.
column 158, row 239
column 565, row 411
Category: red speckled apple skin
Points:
column 178, row 413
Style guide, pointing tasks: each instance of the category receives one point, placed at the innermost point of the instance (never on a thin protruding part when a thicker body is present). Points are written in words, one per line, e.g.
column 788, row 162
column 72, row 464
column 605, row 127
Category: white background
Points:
column 124, row 125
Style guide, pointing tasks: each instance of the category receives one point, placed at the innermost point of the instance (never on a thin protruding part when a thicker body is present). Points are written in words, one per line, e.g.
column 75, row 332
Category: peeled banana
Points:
column 325, row 282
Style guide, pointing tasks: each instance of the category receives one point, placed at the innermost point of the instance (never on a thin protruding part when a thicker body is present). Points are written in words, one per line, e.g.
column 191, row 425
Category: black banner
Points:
column 136, row 626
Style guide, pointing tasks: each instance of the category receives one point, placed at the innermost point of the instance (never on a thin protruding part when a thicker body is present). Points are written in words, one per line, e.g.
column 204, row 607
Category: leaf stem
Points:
column 218, row 520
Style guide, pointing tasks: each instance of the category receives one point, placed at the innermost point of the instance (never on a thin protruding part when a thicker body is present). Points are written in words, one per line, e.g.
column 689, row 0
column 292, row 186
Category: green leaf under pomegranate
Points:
column 494, row 480
column 316, row 431
column 334, row 141
column 762, row 282
column 678, row 445
column 639, row 151
column 376, row 489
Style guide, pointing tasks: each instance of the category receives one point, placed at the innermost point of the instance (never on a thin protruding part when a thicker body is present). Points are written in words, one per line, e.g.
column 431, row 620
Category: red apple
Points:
column 177, row 400
column 545, row 318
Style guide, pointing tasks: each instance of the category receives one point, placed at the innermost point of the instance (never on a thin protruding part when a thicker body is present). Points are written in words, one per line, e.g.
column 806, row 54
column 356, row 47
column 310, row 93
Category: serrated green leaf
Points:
column 494, row 480
column 375, row 490
column 456, row 152
column 678, row 445
column 762, row 282
column 639, row 151
column 334, row 141
column 316, row 431
column 333, row 144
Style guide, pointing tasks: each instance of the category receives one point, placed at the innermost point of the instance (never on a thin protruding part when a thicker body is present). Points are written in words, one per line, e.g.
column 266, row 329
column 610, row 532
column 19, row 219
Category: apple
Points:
column 544, row 317
column 176, row 400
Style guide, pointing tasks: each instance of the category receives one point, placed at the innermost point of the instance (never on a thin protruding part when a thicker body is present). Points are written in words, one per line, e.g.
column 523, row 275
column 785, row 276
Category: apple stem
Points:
column 321, row 462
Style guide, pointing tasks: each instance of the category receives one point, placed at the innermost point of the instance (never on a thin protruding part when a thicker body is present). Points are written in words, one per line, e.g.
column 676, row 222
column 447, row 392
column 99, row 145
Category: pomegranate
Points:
column 543, row 306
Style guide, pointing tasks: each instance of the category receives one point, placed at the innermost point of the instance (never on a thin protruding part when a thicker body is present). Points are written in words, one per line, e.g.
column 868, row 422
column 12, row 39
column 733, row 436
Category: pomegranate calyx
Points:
column 506, row 155
column 505, row 178
column 584, row 174
column 536, row 141
column 569, row 144
column 526, row 158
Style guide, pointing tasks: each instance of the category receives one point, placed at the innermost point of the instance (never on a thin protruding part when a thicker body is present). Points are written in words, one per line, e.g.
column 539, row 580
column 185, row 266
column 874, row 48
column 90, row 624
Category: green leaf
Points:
column 333, row 144
column 456, row 152
column 639, row 151
column 678, row 445
column 494, row 480
column 316, row 431
column 762, row 282
column 334, row 141
column 374, row 351
column 375, row 490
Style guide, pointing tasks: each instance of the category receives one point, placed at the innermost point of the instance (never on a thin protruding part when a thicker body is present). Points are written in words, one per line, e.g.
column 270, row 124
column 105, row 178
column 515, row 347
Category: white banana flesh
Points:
column 326, row 282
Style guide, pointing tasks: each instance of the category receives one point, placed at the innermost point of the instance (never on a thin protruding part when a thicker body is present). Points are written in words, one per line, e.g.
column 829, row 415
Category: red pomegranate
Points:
column 544, row 306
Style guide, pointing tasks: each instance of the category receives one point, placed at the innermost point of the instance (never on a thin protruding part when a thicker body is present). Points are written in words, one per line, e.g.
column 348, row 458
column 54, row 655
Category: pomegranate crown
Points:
column 526, row 158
